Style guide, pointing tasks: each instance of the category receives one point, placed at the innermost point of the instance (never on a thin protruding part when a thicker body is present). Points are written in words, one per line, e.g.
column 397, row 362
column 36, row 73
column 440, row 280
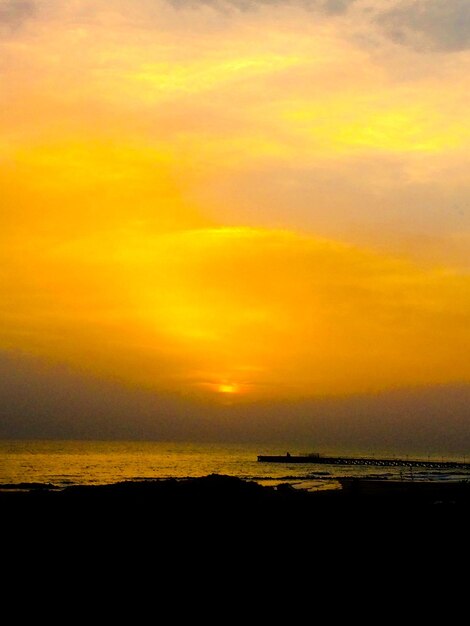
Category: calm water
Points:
column 87, row 462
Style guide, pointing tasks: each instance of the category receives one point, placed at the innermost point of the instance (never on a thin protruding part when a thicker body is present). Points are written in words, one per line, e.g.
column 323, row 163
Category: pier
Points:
column 358, row 461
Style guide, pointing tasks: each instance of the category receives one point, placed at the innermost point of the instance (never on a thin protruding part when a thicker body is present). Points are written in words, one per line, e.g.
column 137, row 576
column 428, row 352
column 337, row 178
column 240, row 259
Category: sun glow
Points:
column 228, row 388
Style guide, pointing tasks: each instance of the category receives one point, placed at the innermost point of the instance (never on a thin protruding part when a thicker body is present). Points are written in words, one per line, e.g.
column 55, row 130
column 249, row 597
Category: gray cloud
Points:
column 336, row 6
column 50, row 402
column 441, row 25
column 330, row 7
column 13, row 13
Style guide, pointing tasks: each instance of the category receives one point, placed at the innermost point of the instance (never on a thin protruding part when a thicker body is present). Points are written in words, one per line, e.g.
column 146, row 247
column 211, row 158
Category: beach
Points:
column 218, row 492
column 220, row 529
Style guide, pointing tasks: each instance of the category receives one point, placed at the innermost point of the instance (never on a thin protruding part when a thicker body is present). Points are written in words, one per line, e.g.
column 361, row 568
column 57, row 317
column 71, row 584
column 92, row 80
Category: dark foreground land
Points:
column 228, row 520
column 216, row 493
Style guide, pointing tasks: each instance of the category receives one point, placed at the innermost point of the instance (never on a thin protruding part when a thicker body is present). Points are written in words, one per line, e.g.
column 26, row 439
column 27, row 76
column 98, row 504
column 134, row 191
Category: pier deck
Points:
column 377, row 462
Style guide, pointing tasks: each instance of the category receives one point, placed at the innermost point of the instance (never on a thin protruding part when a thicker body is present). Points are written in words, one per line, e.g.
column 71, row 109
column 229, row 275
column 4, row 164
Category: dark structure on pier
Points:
column 333, row 460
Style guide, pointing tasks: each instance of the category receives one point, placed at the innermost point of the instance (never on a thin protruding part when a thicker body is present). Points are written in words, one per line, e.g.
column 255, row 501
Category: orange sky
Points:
column 256, row 200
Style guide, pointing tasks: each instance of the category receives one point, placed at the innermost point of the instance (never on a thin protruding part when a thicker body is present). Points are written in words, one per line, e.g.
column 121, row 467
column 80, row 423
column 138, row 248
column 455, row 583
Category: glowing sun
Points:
column 228, row 388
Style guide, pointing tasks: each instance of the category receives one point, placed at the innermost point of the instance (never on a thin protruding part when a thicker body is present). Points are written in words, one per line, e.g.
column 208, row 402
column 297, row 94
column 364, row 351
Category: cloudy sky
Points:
column 227, row 203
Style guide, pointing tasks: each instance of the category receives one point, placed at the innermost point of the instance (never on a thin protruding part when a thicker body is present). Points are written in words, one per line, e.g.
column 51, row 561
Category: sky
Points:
column 216, row 209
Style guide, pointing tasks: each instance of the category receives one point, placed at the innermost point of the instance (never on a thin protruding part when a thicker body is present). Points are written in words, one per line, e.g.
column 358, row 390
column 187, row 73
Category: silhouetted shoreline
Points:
column 215, row 492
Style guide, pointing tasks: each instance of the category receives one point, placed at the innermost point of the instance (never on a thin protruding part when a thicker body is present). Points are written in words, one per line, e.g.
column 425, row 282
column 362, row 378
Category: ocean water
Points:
column 65, row 463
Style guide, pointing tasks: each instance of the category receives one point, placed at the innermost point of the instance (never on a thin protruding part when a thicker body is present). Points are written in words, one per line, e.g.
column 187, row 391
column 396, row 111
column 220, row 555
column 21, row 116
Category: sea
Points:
column 64, row 463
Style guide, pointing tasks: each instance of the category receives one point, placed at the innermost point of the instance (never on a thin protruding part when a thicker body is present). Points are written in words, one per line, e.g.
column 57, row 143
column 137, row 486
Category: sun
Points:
column 228, row 388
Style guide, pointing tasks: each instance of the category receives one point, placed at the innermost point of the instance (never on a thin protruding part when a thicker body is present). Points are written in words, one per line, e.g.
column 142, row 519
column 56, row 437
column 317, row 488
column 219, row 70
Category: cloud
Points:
column 273, row 312
column 139, row 142
column 13, row 13
column 330, row 7
column 429, row 24
column 38, row 400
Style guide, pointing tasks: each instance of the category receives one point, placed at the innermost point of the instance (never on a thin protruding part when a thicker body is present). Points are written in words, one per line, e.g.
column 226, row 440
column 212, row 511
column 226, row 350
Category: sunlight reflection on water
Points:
column 98, row 462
